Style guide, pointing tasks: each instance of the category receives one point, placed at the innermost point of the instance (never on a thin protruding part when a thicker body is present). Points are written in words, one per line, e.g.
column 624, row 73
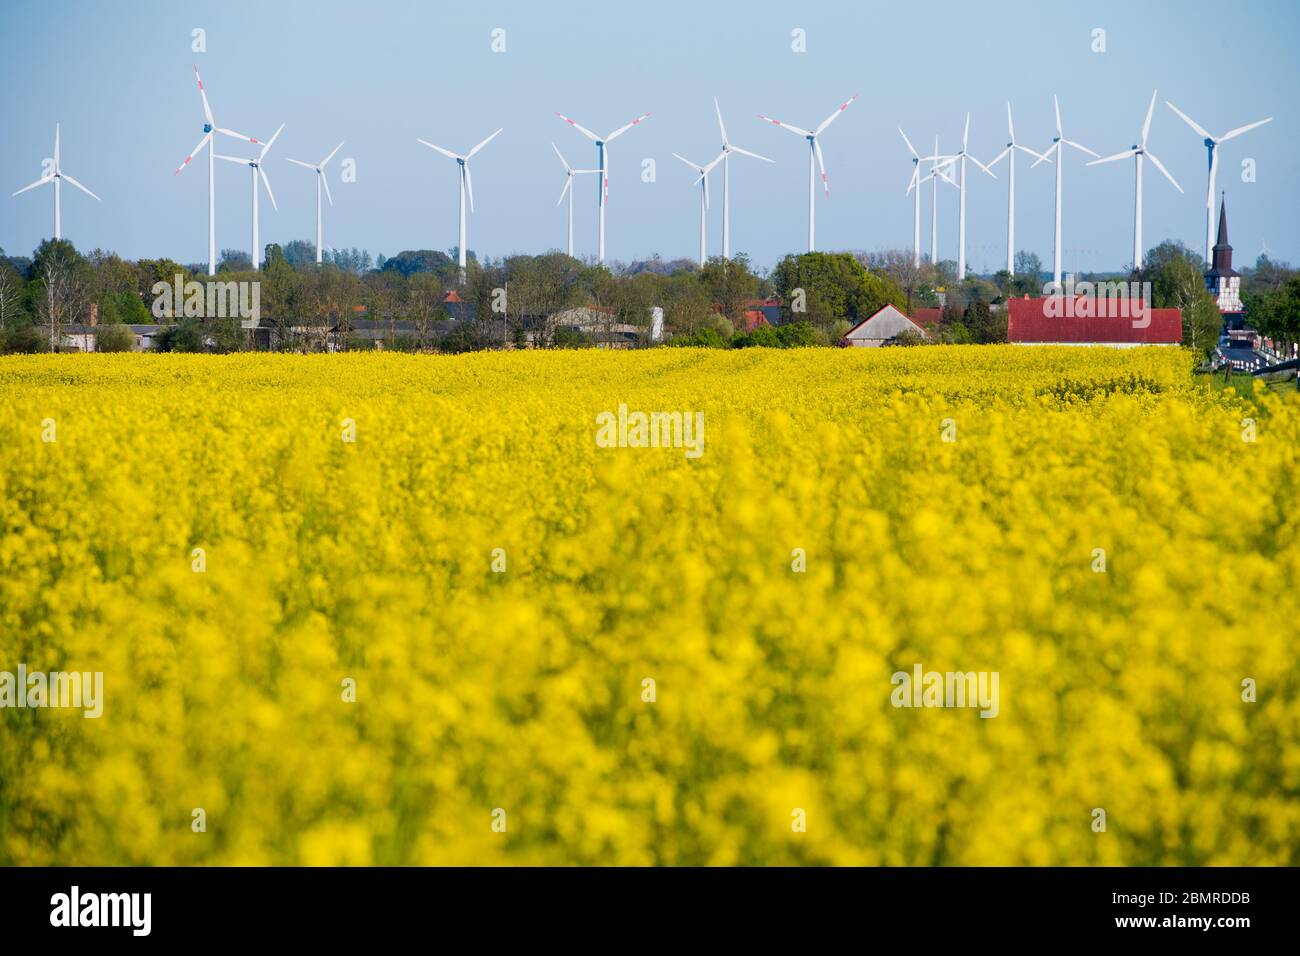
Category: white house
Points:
column 878, row 328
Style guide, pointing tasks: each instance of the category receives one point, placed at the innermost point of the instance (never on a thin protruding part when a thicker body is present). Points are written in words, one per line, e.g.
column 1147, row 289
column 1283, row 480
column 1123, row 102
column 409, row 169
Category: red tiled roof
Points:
column 752, row 319
column 1110, row 320
column 452, row 296
column 926, row 317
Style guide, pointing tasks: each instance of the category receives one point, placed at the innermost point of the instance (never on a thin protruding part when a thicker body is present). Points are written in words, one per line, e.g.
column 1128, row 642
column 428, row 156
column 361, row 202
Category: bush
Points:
column 114, row 338
column 23, row 340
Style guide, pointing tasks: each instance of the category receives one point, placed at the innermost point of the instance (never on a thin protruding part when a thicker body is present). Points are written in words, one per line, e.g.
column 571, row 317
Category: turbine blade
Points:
column 980, row 165
column 438, row 149
column 581, row 129
column 706, row 192
column 40, row 182
column 623, row 129
column 1079, row 146
column 965, row 136
column 910, row 148
column 267, row 183
column 1011, row 129
column 745, row 152
column 721, row 128
column 695, row 166
column 469, row 185
column 56, row 146
column 568, row 181
column 713, row 162
column 299, row 162
column 1161, row 166
column 1189, row 121
column 1110, row 159
column 817, row 148
column 79, row 186
column 325, row 181
column 333, row 152
column 1146, row 126
column 1031, row 152
column 1001, row 156
column 836, row 115
column 207, row 138
column 484, row 143
column 247, row 139
column 1057, row 105
column 776, row 122
column 269, row 143
column 231, row 159
column 914, row 182
column 564, row 161
column 207, row 110
column 1243, row 129
column 1044, row 157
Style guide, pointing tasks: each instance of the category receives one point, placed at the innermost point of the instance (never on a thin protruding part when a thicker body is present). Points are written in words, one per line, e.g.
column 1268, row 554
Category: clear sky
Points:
column 379, row 74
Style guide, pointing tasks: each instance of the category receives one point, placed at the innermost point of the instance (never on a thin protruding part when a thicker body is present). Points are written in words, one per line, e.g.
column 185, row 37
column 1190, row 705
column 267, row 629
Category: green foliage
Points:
column 23, row 339
column 707, row 338
column 836, row 286
column 113, row 338
column 984, row 324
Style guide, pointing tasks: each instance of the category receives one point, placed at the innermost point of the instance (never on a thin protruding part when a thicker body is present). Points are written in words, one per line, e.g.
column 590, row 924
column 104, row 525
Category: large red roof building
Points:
column 1122, row 323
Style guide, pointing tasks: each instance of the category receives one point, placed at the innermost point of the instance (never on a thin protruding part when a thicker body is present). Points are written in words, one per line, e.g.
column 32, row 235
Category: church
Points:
column 1238, row 345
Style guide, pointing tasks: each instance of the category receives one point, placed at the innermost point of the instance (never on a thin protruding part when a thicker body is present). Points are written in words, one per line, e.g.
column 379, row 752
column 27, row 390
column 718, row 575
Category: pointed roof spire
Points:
column 1223, row 220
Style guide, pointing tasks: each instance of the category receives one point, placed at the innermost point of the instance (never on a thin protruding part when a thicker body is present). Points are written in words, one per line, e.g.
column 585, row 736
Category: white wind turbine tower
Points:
column 1138, row 152
column 466, row 183
column 704, row 194
column 727, row 150
column 569, row 173
column 319, row 169
column 814, row 153
column 961, row 158
column 1010, row 154
column 56, row 175
column 209, row 128
column 1211, row 144
column 256, row 170
column 1059, row 142
column 915, row 184
column 602, row 166
column 936, row 173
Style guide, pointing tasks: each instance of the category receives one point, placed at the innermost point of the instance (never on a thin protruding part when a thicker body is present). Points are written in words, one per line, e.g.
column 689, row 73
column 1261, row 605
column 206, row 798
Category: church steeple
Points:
column 1222, row 282
column 1222, row 250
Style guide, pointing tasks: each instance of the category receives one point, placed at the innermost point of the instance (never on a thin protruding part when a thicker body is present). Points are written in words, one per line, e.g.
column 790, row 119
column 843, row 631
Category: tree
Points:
column 835, row 287
column 730, row 284
column 113, row 338
column 985, row 325
column 1174, row 272
column 235, row 260
column 1028, row 279
column 60, row 291
column 11, row 294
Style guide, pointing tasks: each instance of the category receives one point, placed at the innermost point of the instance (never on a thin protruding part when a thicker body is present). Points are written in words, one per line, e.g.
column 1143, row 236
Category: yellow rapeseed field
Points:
column 563, row 653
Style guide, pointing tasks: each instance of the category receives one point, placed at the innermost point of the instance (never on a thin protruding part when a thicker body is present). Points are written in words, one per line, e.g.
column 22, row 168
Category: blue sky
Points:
column 380, row 74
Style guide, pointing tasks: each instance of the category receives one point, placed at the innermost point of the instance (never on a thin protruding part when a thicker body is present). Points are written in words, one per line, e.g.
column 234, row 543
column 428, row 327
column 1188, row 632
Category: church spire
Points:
column 1222, row 264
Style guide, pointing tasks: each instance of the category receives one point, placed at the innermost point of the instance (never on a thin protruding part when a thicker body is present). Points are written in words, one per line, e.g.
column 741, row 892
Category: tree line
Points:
column 819, row 297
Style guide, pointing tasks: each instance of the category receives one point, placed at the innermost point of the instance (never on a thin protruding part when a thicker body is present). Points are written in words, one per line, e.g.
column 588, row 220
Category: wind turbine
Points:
column 1059, row 142
column 1010, row 154
column 602, row 157
column 1138, row 152
column 209, row 128
column 56, row 175
column 961, row 158
column 256, row 170
column 727, row 150
column 704, row 193
column 814, row 152
column 915, row 184
column 569, row 173
column 1211, row 144
column 319, row 169
column 936, row 173
column 466, row 183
